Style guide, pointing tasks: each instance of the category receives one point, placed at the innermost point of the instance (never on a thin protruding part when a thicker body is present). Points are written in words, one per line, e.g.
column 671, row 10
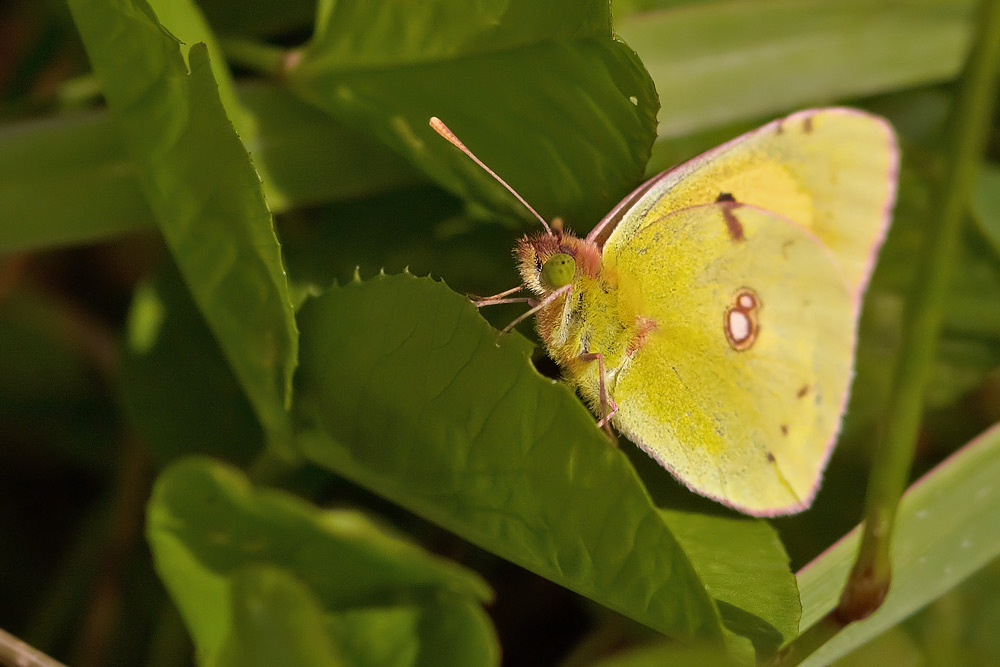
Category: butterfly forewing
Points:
column 832, row 171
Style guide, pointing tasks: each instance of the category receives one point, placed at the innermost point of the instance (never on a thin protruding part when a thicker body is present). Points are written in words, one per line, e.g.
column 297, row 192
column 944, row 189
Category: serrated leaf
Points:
column 184, row 20
column 521, row 83
column 948, row 526
column 722, row 61
column 203, row 190
column 207, row 525
column 404, row 390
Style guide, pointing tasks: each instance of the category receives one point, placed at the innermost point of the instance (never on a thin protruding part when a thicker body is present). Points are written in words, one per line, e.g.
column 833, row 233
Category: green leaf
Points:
column 970, row 342
column 986, row 204
column 260, row 17
column 445, row 631
column 203, row 191
column 673, row 654
column 892, row 647
column 710, row 69
column 421, row 229
column 177, row 406
column 309, row 157
column 404, row 390
column 723, row 61
column 959, row 628
column 586, row 129
column 744, row 568
column 210, row 530
column 184, row 20
column 99, row 194
column 948, row 527
column 276, row 621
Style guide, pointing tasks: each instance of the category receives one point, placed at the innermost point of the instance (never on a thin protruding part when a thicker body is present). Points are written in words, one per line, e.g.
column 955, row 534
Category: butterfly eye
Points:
column 558, row 270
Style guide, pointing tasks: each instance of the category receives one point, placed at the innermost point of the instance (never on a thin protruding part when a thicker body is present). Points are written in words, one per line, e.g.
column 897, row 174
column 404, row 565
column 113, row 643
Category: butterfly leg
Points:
column 537, row 307
column 608, row 406
column 502, row 297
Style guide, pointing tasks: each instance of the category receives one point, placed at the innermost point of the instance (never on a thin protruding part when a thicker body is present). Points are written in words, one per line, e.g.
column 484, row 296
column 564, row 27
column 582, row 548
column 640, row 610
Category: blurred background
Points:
column 80, row 441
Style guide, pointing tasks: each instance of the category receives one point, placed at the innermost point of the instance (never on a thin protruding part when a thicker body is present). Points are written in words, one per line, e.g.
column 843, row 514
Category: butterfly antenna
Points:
column 443, row 130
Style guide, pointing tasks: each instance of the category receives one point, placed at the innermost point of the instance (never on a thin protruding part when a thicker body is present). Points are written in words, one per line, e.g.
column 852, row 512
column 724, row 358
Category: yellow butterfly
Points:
column 711, row 315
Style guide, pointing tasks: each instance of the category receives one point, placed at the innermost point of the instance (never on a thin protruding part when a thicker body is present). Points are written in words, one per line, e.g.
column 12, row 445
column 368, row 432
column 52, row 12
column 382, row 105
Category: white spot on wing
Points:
column 739, row 325
column 740, row 321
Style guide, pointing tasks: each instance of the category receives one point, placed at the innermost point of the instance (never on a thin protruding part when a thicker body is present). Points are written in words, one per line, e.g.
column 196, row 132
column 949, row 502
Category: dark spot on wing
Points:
column 732, row 223
column 803, row 390
column 770, row 457
column 784, row 429
column 807, row 124
column 725, row 197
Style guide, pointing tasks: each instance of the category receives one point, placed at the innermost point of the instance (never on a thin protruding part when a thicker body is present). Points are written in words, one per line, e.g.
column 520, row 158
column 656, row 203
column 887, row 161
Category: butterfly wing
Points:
column 738, row 386
column 833, row 171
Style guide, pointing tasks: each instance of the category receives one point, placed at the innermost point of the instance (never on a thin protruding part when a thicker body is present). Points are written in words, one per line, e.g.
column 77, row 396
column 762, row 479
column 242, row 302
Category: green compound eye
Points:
column 558, row 270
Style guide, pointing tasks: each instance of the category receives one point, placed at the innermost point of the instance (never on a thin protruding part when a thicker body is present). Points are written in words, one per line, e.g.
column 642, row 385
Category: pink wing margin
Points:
column 603, row 230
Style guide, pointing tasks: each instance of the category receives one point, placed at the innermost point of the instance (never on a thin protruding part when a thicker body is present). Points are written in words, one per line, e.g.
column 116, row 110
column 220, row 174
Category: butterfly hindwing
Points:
column 739, row 384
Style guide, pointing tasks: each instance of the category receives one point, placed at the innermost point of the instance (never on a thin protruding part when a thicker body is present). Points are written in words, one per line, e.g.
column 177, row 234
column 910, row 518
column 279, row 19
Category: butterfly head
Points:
column 547, row 261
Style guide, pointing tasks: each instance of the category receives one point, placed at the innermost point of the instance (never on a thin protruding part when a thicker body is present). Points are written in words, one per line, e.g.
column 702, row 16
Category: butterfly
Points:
column 711, row 316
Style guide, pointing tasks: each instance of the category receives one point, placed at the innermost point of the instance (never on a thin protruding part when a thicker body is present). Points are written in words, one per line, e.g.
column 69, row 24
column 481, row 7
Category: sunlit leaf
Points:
column 404, row 390
column 948, row 527
column 521, row 83
column 722, row 61
column 203, row 191
column 237, row 558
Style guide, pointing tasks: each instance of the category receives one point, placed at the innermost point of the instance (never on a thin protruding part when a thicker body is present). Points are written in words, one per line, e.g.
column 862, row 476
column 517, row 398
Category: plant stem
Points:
column 97, row 627
column 806, row 643
column 170, row 645
column 256, row 56
column 273, row 465
column 58, row 610
column 871, row 576
column 13, row 651
column 970, row 120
